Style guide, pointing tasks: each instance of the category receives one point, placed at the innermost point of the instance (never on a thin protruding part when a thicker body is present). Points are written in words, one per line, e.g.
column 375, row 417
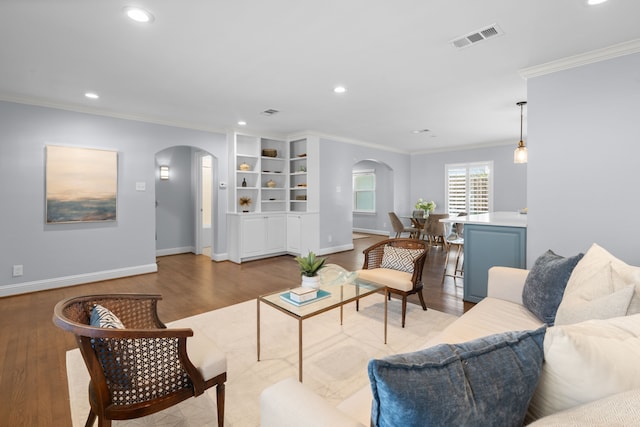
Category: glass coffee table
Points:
column 338, row 296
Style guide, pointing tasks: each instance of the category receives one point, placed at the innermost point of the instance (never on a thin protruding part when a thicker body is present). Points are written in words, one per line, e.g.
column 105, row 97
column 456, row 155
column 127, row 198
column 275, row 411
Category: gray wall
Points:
column 336, row 165
column 583, row 159
column 509, row 180
column 63, row 254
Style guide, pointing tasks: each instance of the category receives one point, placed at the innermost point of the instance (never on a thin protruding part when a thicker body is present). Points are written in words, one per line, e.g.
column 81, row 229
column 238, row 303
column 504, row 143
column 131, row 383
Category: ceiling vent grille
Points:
column 269, row 112
column 477, row 36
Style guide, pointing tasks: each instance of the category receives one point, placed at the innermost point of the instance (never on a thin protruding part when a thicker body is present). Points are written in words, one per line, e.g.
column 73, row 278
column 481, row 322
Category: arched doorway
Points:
column 376, row 222
column 185, row 211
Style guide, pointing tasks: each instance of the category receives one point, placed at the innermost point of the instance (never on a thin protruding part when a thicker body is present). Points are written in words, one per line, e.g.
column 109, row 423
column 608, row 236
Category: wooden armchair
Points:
column 143, row 368
column 397, row 264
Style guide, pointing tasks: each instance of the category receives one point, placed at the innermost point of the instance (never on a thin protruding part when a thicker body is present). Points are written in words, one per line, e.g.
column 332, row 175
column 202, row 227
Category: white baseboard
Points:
column 220, row 257
column 78, row 279
column 175, row 251
column 334, row 249
column 367, row 231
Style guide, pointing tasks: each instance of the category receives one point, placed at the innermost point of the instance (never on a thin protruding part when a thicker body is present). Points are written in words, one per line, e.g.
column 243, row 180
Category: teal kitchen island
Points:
column 490, row 239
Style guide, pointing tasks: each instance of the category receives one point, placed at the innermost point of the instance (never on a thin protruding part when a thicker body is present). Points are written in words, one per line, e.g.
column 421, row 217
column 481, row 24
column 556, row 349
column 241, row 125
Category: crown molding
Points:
column 620, row 49
column 107, row 113
column 346, row 140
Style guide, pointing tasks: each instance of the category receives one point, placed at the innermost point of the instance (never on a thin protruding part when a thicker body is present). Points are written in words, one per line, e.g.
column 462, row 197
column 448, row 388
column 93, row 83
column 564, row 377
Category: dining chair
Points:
column 454, row 238
column 396, row 264
column 434, row 229
column 400, row 228
column 137, row 365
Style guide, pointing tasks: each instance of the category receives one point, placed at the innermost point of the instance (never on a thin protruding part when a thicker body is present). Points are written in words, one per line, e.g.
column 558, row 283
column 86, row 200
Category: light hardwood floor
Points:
column 33, row 385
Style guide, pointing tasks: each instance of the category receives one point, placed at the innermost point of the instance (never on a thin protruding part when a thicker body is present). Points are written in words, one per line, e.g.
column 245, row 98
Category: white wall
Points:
column 63, row 254
column 509, row 180
column 583, row 160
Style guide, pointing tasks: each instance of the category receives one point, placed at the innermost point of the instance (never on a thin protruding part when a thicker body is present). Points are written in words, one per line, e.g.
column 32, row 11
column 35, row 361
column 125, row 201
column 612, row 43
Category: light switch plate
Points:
column 141, row 186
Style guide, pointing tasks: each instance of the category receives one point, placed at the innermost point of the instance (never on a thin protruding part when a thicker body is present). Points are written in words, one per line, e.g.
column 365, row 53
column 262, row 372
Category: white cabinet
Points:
column 302, row 233
column 273, row 199
column 254, row 236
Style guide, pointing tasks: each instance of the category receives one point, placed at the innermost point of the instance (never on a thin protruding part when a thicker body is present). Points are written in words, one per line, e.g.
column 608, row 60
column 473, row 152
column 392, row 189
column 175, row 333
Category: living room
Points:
column 581, row 135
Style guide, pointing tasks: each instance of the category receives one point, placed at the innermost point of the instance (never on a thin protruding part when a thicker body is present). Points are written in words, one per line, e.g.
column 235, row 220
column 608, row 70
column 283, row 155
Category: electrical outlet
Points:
column 18, row 270
column 384, row 224
column 329, row 238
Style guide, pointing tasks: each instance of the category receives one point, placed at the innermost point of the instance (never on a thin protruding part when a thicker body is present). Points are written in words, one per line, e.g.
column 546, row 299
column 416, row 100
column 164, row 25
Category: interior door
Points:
column 204, row 204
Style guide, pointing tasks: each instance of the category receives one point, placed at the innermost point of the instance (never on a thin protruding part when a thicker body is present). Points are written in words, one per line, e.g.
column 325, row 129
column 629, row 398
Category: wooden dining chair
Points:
column 137, row 366
column 434, row 229
column 397, row 264
column 400, row 228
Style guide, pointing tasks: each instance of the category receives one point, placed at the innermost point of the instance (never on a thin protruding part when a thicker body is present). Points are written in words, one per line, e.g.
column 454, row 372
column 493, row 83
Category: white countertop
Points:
column 500, row 219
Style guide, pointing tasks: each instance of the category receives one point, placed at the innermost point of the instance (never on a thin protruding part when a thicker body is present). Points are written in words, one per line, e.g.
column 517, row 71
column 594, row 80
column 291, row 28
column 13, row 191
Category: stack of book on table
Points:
column 303, row 294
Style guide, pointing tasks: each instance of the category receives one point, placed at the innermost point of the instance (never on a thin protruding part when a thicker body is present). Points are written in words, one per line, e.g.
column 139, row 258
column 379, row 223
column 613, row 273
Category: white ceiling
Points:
column 208, row 63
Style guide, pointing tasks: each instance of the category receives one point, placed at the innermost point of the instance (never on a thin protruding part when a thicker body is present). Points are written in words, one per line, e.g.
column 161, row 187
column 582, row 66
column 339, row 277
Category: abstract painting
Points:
column 81, row 184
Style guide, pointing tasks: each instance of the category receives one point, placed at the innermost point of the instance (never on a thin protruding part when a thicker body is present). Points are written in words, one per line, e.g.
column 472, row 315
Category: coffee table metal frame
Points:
column 340, row 296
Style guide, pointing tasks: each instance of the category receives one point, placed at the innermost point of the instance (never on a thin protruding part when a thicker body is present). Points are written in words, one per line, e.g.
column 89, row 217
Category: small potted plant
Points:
column 245, row 202
column 309, row 267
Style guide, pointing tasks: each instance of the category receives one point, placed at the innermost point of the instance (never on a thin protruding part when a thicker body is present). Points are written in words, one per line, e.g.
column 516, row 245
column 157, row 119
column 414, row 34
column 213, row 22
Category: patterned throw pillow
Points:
column 399, row 258
column 104, row 318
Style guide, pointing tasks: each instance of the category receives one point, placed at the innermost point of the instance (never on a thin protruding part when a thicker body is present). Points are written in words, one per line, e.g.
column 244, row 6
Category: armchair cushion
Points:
column 104, row 318
column 203, row 353
column 400, row 258
column 459, row 384
column 388, row 277
column 545, row 284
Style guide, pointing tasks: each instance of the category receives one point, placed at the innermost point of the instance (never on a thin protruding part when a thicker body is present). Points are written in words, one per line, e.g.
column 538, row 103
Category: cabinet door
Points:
column 253, row 236
column 294, row 229
column 275, row 233
column 486, row 246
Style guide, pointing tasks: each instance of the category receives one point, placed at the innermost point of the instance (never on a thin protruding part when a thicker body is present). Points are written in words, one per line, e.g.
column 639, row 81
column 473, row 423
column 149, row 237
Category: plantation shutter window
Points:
column 469, row 188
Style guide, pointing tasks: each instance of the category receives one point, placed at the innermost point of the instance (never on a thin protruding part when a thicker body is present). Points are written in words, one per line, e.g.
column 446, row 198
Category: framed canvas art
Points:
column 81, row 184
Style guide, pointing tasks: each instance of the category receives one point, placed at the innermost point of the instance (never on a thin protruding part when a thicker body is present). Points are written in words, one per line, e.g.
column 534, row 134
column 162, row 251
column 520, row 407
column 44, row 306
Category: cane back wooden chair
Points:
column 143, row 368
column 397, row 264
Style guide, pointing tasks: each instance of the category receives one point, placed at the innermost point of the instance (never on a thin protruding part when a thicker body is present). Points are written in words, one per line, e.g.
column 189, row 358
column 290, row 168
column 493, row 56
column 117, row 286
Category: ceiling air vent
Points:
column 269, row 112
column 477, row 36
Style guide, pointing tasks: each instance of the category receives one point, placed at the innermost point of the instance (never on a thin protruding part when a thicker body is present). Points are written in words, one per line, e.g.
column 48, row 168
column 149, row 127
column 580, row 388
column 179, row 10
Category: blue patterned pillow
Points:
column 104, row 318
column 488, row 381
column 545, row 284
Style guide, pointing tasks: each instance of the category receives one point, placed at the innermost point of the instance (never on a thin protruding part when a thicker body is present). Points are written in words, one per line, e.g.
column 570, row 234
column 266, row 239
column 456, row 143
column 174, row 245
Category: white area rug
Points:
column 335, row 357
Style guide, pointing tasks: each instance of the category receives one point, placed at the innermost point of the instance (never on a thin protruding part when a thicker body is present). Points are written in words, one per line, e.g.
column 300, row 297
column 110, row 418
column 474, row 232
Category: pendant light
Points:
column 520, row 153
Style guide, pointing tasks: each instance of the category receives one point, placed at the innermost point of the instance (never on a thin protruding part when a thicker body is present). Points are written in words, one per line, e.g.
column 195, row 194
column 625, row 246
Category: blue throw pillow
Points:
column 545, row 284
column 488, row 381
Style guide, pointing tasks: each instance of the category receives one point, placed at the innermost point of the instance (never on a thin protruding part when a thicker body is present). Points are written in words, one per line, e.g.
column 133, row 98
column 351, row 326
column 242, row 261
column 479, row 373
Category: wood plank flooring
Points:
column 33, row 384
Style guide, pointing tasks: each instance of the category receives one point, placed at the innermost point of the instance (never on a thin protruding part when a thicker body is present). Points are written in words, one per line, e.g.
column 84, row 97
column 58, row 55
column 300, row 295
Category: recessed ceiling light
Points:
column 339, row 89
column 594, row 2
column 138, row 14
column 420, row 131
column 92, row 95
column 242, row 123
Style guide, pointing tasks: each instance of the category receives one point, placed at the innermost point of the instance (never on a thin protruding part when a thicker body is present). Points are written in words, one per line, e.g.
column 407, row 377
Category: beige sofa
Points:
column 290, row 403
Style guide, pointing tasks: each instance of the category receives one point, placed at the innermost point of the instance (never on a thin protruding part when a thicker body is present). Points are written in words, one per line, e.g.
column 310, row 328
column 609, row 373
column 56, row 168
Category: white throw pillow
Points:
column 601, row 286
column 587, row 361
